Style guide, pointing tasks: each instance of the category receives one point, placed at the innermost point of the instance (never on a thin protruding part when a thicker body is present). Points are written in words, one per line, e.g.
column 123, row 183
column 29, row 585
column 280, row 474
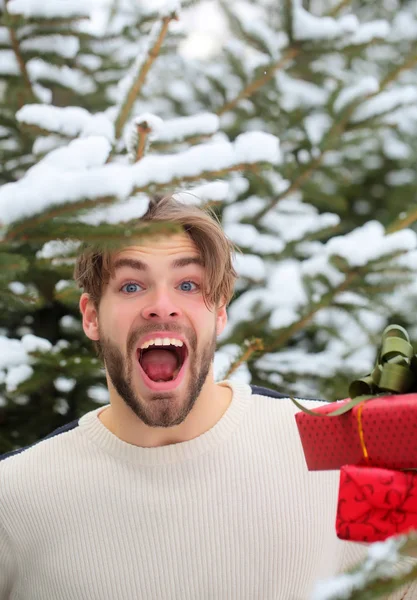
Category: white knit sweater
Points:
column 233, row 514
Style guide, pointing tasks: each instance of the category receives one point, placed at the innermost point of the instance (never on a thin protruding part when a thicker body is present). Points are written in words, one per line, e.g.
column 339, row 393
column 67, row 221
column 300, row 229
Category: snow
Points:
column 248, row 236
column 317, row 124
column 16, row 376
column 133, row 208
column 385, row 101
column 290, row 229
column 367, row 32
column 44, row 144
column 215, row 190
column 250, row 266
column 369, row 242
column 70, row 121
column 63, row 75
column 309, row 27
column 17, row 287
column 404, row 27
column 366, row 85
column 72, row 176
column 381, row 562
column 15, row 358
column 297, row 93
column 284, row 307
column 175, row 130
column 49, row 9
column 64, row 384
column 66, row 46
column 8, row 63
column 68, row 174
column 4, row 36
column 55, row 248
column 79, row 154
column 99, row 394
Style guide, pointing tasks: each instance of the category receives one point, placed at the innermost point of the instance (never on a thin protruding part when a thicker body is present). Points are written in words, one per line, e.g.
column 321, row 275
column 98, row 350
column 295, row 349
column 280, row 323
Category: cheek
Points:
column 115, row 324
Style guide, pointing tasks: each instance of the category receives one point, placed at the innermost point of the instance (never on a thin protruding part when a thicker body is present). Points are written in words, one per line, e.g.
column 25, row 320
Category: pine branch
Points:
column 403, row 222
column 327, row 299
column 139, row 80
column 143, row 130
column 190, row 140
column 338, row 7
column 409, row 62
column 22, row 65
column 254, row 345
column 20, row 231
column 288, row 19
column 255, row 85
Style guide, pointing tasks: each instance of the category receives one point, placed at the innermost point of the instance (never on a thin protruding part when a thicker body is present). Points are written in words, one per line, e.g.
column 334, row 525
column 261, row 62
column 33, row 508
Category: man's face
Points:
column 159, row 301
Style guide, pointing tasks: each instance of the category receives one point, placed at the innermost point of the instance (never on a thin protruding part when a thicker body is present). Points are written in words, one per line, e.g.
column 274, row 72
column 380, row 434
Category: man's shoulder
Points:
column 264, row 391
column 38, row 445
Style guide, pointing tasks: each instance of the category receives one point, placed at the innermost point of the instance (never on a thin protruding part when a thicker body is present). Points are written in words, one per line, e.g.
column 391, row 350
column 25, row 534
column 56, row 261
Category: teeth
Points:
column 162, row 342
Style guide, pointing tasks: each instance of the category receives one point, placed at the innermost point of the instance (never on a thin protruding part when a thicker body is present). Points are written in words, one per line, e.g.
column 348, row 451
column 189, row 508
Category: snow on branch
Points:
column 65, row 46
column 367, row 32
column 290, row 310
column 70, row 121
column 15, row 359
column 182, row 128
column 149, row 127
column 310, row 27
column 49, row 9
column 382, row 564
column 359, row 247
column 142, row 130
column 77, row 172
column 361, row 88
column 385, row 102
column 71, row 78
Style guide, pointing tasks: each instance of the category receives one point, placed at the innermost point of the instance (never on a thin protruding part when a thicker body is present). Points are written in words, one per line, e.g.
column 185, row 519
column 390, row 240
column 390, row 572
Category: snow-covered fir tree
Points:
column 298, row 127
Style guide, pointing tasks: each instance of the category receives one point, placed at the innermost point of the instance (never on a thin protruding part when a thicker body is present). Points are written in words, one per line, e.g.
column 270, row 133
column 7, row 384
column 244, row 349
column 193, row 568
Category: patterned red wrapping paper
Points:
column 375, row 504
column 389, row 429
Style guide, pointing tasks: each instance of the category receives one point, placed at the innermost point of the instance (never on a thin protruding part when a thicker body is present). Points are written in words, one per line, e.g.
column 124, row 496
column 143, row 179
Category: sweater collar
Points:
column 105, row 440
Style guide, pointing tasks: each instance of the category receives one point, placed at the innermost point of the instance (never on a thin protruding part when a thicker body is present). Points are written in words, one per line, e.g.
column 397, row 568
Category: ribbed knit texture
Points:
column 230, row 515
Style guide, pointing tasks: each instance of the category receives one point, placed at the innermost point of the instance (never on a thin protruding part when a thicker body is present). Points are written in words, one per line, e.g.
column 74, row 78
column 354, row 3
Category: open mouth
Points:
column 162, row 363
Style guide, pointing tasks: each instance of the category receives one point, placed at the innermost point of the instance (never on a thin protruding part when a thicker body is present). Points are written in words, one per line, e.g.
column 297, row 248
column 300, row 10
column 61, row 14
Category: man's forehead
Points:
column 177, row 253
column 171, row 244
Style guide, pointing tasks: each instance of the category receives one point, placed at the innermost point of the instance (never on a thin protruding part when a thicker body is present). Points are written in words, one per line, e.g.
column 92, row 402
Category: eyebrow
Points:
column 138, row 265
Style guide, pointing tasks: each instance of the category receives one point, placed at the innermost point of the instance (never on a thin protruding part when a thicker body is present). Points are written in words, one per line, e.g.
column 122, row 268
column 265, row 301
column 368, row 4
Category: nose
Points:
column 160, row 305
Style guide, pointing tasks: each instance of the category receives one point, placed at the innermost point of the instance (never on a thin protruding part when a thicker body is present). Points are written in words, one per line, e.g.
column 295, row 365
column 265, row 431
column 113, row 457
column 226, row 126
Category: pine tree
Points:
column 324, row 217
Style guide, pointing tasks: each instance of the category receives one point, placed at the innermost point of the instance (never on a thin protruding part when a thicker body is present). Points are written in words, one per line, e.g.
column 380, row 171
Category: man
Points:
column 181, row 488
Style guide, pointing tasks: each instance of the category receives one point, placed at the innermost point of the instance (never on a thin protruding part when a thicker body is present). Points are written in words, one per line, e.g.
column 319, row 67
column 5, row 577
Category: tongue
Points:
column 159, row 364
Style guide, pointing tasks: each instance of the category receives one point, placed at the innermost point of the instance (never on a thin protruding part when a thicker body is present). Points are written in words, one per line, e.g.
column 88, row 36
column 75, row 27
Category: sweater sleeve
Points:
column 7, row 565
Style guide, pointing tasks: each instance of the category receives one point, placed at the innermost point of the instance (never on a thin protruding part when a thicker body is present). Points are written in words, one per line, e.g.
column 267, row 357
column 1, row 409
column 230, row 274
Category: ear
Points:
column 221, row 319
column 90, row 317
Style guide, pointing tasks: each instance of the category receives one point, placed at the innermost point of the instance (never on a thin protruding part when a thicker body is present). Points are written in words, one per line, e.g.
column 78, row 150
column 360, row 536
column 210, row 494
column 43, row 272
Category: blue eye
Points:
column 126, row 285
column 188, row 283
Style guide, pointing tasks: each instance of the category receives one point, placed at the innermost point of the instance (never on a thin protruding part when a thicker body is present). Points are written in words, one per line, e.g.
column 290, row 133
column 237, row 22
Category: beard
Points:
column 161, row 409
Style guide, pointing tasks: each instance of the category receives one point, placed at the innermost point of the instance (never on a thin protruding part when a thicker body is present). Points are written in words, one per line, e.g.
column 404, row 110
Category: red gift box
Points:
column 381, row 432
column 375, row 504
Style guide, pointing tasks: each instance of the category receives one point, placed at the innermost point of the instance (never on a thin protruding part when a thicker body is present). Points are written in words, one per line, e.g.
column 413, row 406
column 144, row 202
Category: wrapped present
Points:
column 375, row 504
column 377, row 425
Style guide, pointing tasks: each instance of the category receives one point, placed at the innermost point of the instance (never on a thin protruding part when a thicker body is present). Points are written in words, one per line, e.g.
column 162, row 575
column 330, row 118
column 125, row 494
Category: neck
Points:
column 208, row 409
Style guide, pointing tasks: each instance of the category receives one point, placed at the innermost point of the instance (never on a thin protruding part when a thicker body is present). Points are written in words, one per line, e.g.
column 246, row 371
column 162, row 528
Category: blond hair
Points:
column 93, row 268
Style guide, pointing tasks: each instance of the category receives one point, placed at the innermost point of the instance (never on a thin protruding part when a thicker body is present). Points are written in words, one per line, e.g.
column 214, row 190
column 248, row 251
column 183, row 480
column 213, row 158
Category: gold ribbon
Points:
column 360, row 431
